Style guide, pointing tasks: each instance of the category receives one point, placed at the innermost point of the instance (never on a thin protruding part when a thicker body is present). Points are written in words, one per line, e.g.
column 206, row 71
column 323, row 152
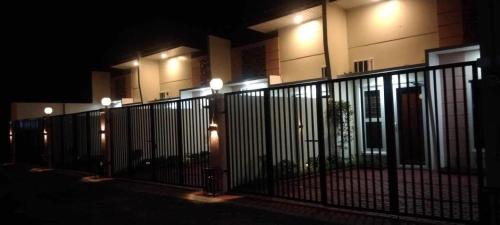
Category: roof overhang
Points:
column 159, row 55
column 288, row 20
column 307, row 14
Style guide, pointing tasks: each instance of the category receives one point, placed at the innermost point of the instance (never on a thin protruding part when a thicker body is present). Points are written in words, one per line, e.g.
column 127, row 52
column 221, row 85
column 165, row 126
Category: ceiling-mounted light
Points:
column 135, row 63
column 298, row 19
column 163, row 55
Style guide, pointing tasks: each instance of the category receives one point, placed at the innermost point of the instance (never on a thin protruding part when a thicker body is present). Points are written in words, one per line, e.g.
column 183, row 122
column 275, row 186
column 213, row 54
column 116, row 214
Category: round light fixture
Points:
column 216, row 84
column 48, row 110
column 106, row 101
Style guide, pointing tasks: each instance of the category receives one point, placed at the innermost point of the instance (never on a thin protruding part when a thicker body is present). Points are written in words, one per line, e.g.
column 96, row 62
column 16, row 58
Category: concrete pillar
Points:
column 487, row 11
column 105, row 143
column 12, row 143
column 217, row 139
column 46, row 150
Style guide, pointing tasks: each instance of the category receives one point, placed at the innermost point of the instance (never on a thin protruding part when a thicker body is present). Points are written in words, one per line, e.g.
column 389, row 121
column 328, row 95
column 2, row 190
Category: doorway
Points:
column 410, row 126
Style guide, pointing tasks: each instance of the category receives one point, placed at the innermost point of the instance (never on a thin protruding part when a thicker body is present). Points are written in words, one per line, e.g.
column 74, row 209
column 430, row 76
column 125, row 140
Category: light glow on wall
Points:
column 308, row 31
column 45, row 137
column 388, row 11
column 163, row 55
column 173, row 65
column 135, row 63
column 298, row 19
column 214, row 137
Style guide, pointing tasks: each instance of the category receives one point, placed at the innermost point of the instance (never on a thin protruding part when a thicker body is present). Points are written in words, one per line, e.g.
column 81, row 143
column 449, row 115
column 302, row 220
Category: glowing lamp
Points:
column 216, row 84
column 106, row 101
column 48, row 110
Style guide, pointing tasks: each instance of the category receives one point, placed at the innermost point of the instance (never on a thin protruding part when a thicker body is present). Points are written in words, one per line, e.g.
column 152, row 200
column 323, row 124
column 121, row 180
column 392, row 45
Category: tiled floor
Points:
column 421, row 192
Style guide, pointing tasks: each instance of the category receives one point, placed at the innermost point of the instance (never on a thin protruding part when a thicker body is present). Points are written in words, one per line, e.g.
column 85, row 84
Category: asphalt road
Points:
column 52, row 198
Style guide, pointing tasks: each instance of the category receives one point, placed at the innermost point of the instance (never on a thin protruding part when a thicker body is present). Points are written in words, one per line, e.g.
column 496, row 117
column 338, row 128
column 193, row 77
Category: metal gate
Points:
column 28, row 133
column 164, row 142
column 73, row 141
column 399, row 142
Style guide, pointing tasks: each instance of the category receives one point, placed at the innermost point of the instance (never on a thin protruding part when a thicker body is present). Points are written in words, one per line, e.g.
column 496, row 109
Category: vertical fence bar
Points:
column 129, row 143
column 269, row 149
column 179, row 143
column 321, row 142
column 153, row 139
column 391, row 145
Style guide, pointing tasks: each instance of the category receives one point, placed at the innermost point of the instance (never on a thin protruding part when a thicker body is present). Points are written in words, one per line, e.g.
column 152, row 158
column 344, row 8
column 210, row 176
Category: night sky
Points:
column 51, row 48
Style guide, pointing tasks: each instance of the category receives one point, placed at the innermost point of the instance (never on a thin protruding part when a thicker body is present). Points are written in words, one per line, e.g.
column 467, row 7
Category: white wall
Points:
column 301, row 51
column 394, row 33
column 220, row 57
column 337, row 40
column 175, row 74
column 150, row 81
column 101, row 86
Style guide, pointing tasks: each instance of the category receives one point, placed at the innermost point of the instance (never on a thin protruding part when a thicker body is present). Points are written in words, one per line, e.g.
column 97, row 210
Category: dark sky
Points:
column 52, row 47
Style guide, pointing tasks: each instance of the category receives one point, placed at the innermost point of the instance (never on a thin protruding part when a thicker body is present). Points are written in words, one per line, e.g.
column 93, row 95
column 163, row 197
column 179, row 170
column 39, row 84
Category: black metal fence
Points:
column 401, row 142
column 73, row 141
column 398, row 142
column 163, row 142
column 28, row 136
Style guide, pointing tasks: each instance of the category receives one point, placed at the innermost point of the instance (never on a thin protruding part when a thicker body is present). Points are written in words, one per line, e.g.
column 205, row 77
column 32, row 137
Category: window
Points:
column 363, row 65
column 373, row 122
column 164, row 95
column 372, row 104
column 373, row 134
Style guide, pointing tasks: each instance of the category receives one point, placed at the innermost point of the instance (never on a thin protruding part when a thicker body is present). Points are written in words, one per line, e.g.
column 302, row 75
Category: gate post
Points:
column 217, row 142
column 269, row 142
column 46, row 150
column 105, row 141
column 88, row 140
column 391, row 144
column 321, row 142
column 12, row 143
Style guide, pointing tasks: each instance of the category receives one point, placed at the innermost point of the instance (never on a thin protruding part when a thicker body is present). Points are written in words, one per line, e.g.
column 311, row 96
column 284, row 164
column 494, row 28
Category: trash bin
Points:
column 213, row 181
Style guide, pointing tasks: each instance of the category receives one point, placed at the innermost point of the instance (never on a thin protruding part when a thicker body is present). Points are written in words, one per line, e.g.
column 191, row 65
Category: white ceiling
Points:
column 182, row 50
column 308, row 14
column 272, row 25
column 349, row 4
